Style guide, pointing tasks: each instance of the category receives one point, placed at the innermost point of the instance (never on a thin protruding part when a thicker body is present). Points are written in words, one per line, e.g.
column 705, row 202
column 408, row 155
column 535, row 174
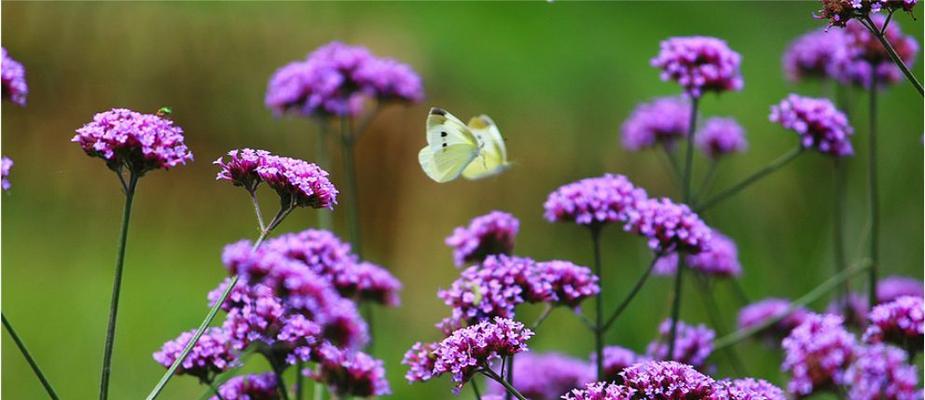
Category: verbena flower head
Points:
column 211, row 355
column 699, row 64
column 693, row 344
column 720, row 136
column 297, row 182
column 901, row 321
column 13, row 78
column 819, row 124
column 815, row 54
column 720, row 260
column 816, row 354
column 757, row 313
column 420, row 359
column 616, row 359
column 894, row 287
column 747, row 389
column 840, row 12
column 468, row 350
column 492, row 233
column 564, row 283
column 601, row 391
column 249, row 387
column 546, row 376
column 867, row 57
column 668, row 226
column 492, row 289
column 660, row 121
column 350, row 374
column 881, row 372
column 593, row 201
column 135, row 141
column 852, row 307
column 5, row 165
column 336, row 79
column 669, row 380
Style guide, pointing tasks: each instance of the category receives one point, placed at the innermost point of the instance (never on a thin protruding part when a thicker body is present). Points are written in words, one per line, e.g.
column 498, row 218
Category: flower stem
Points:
column 323, row 160
column 31, row 361
column 599, row 303
column 116, row 287
column 280, row 384
column 676, row 304
column 713, row 312
column 475, row 389
column 761, row 173
column 299, row 382
column 639, row 283
column 689, row 156
column 547, row 310
column 507, row 385
column 838, row 225
column 215, row 391
column 352, row 197
column 874, row 194
column 510, row 374
column 892, row 52
column 811, row 296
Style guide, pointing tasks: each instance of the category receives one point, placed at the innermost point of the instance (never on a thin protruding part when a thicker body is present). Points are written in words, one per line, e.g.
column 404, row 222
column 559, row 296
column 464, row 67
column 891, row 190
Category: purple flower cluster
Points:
column 818, row 123
column 668, row 226
column 249, row 387
column 489, row 234
column 138, row 142
column 13, row 79
column 816, row 354
column 720, row 136
column 866, row 57
column 747, row 389
column 336, row 79
column 5, row 165
column 660, row 121
column 699, row 64
column 720, row 260
column 546, row 376
column 601, row 391
column 852, row 307
column 420, row 360
column 757, row 313
column 894, row 287
column 840, row 12
column 211, row 355
column 297, row 182
column 349, row 374
column 882, row 372
column 815, row 55
column 693, row 344
column 616, row 359
column 901, row 321
column 565, row 283
column 667, row 380
column 593, row 201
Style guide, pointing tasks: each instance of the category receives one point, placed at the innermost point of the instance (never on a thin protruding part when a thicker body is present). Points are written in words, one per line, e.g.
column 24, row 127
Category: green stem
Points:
column 351, row 195
column 475, row 389
column 31, row 361
column 599, row 303
column 689, row 156
column 547, row 310
column 299, row 381
column 874, row 194
column 739, row 292
column 318, row 391
column 838, row 227
column 638, row 286
column 761, row 173
column 713, row 312
column 280, row 384
column 676, row 304
column 507, row 385
column 116, row 287
column 323, row 161
column 510, row 374
column 809, row 297
column 215, row 391
column 892, row 52
column 708, row 180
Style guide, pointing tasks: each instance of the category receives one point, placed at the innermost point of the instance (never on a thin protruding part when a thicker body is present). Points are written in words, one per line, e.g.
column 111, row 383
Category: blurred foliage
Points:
column 558, row 78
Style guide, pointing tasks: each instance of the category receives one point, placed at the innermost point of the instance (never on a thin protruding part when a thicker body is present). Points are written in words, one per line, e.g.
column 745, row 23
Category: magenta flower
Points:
column 564, row 283
column 720, row 136
column 211, row 355
column 593, row 201
column 747, row 389
column 601, row 391
column 661, row 121
column 721, row 260
column 492, row 289
column 881, row 372
column 816, row 354
column 894, row 287
column 819, row 124
column 757, row 313
column 852, row 307
column 348, row 373
column 616, row 359
column 865, row 56
column 815, row 55
column 5, row 165
column 297, row 182
column 546, row 376
column 137, row 142
column 390, row 80
column 489, row 234
column 469, row 350
column 420, row 360
column 13, row 79
column 693, row 344
column 249, row 387
column 901, row 321
column 668, row 226
column 699, row 64
column 658, row 380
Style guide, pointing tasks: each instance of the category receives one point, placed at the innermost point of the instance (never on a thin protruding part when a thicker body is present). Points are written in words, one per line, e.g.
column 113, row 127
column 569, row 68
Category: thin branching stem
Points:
column 599, row 303
column 507, row 385
column 29, row 359
column 713, row 312
column 872, row 27
column 547, row 310
column 632, row 294
column 874, row 193
column 755, row 177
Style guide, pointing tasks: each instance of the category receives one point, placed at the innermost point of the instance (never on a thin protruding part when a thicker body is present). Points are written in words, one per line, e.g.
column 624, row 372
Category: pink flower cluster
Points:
column 901, row 321
column 211, row 355
column 593, row 201
column 467, row 351
column 720, row 260
column 819, row 124
column 13, row 79
column 693, row 344
column 350, row 374
column 699, row 64
column 489, row 234
column 297, row 182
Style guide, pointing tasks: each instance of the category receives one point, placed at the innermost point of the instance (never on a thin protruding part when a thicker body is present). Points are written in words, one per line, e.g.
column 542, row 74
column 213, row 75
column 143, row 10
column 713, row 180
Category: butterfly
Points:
column 474, row 151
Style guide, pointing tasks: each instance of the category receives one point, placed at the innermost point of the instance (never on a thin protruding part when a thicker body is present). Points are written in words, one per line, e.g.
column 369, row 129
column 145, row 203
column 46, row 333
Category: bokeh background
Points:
column 558, row 78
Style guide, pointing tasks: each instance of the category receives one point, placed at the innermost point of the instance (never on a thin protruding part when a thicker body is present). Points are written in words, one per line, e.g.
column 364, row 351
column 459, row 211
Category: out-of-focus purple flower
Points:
column 211, row 355
column 492, row 233
column 593, row 201
column 721, row 260
column 867, row 57
column 720, row 136
column 819, row 124
column 693, row 344
column 840, row 12
column 660, row 121
column 249, row 387
column 546, row 376
column 815, row 54
column 894, row 287
column 349, row 374
column 699, row 64
column 852, row 307
column 420, row 360
column 138, row 142
column 667, row 380
column 6, row 164
column 13, row 78
column 758, row 313
column 747, row 389
column 668, row 226
column 616, row 359
column 370, row 282
column 297, row 182
column 566, row 283
column 880, row 372
column 816, row 354
column 336, row 79
column 601, row 391
column 901, row 321
column 468, row 350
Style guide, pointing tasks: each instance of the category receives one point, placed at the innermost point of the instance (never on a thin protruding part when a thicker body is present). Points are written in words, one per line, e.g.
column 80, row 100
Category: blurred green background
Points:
column 558, row 78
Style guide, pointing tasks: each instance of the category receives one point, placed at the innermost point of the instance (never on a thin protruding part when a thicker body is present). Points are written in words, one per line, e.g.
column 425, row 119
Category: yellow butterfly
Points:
column 474, row 151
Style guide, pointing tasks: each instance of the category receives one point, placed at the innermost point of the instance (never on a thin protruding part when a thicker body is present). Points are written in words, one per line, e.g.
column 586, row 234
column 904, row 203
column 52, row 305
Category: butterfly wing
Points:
column 451, row 146
column 492, row 160
column 444, row 130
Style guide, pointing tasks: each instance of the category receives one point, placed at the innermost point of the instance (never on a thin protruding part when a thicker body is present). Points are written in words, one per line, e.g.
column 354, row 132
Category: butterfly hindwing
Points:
column 492, row 159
